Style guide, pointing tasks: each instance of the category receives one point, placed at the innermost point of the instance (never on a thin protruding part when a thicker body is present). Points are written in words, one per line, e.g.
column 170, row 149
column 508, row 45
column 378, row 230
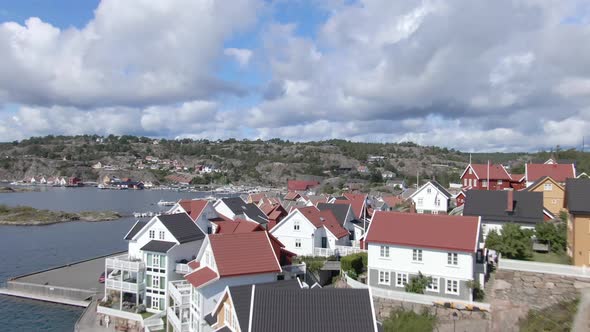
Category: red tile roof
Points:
column 324, row 219
column 292, row 195
column 497, row 172
column 443, row 232
column 194, row 264
column 243, row 253
column 255, row 198
column 194, row 207
column 392, row 200
column 357, row 202
column 201, row 276
column 301, row 185
column 238, row 226
column 558, row 172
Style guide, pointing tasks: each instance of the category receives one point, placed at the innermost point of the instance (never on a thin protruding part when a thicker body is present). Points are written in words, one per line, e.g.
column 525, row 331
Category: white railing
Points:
column 354, row 283
column 548, row 268
column 182, row 268
column 340, row 250
column 154, row 322
column 119, row 313
column 180, row 291
column 423, row 299
column 173, row 319
column 123, row 262
column 123, row 285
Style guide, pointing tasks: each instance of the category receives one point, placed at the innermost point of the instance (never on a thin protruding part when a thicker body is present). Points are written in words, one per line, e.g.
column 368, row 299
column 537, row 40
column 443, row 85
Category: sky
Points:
column 504, row 75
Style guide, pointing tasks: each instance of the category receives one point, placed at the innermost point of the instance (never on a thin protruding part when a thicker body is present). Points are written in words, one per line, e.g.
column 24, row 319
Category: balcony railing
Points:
column 182, row 268
column 177, row 323
column 180, row 291
column 132, row 287
column 339, row 250
column 124, row 262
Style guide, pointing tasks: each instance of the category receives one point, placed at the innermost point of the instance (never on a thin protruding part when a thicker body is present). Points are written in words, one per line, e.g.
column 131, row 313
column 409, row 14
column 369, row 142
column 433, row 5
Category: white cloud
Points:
column 241, row 55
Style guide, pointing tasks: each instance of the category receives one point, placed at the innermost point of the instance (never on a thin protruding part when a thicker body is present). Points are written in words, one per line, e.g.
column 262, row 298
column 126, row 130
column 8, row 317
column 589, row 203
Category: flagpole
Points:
column 488, row 175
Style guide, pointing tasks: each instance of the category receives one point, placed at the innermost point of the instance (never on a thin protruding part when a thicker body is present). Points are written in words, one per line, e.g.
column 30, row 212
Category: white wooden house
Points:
column 431, row 198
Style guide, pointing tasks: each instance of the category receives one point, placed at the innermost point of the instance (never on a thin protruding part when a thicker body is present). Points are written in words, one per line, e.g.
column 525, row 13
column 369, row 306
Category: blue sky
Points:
column 438, row 72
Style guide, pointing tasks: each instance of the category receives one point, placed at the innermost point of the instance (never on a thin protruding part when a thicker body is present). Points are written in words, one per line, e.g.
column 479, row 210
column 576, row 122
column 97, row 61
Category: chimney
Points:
column 510, row 201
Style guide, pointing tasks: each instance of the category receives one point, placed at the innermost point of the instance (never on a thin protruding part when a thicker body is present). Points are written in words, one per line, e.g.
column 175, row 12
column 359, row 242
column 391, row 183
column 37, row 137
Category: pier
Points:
column 72, row 284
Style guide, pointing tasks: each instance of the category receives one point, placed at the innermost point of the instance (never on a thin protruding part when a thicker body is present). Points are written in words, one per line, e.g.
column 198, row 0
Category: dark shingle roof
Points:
column 441, row 188
column 158, row 246
column 578, row 195
column 182, row 227
column 241, row 297
column 491, row 205
column 340, row 211
column 318, row 309
column 238, row 206
column 135, row 229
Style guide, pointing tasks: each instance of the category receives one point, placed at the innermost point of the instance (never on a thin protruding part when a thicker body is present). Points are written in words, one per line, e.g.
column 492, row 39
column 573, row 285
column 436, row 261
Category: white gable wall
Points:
column 428, row 199
column 143, row 237
column 285, row 233
column 223, row 209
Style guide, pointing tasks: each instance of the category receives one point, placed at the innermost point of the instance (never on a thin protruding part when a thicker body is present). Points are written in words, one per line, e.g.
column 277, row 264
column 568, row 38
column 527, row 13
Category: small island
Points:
column 8, row 190
column 28, row 216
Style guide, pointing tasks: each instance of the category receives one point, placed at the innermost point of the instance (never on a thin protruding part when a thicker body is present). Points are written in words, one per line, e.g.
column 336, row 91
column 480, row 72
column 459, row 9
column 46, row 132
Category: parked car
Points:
column 101, row 278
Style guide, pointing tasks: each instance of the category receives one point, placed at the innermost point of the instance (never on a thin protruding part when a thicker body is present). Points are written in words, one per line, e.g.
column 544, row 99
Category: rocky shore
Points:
column 28, row 216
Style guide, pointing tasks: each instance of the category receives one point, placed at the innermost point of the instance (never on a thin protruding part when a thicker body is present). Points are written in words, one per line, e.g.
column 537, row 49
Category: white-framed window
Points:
column 434, row 212
column 420, row 201
column 384, row 277
column 484, row 183
column 162, row 235
column 401, row 279
column 452, row 287
column 433, row 285
column 296, row 225
column 417, row 255
column 156, row 260
column 155, row 303
column 152, row 234
column 470, row 182
column 437, row 202
column 297, row 243
column 420, row 211
column 384, row 252
column 548, row 186
column 470, row 170
column 465, row 182
column 227, row 314
column 155, row 282
column 499, row 182
column 428, row 190
column 452, row 258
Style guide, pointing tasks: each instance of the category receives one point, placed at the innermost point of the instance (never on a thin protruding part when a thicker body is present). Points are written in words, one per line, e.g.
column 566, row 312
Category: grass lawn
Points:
column 558, row 317
column 146, row 315
column 552, row 257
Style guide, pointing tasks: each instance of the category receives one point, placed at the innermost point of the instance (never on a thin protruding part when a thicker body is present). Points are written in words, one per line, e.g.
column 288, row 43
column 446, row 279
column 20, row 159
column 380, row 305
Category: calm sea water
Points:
column 25, row 249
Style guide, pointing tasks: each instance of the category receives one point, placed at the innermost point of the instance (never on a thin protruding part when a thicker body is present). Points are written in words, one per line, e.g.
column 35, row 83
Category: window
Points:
column 428, row 190
column 155, row 282
column 297, row 243
column 156, row 260
column 227, row 314
column 152, row 234
column 433, row 286
column 469, row 182
column 499, row 182
column 470, row 170
column 155, row 303
column 384, row 277
column 548, row 186
column 384, row 251
column 420, row 201
column 452, row 258
column 452, row 287
column 465, row 182
column 417, row 255
column 437, row 202
column 296, row 225
column 401, row 280
column 434, row 212
column 484, row 183
column 162, row 235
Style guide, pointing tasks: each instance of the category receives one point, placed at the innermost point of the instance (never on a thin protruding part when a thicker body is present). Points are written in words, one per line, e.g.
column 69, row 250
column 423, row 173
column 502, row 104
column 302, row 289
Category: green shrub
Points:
column 418, row 283
column 401, row 320
column 354, row 262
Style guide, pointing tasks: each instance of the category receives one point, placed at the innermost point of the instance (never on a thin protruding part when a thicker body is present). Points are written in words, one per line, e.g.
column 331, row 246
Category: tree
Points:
column 401, row 320
column 514, row 242
column 418, row 284
column 553, row 234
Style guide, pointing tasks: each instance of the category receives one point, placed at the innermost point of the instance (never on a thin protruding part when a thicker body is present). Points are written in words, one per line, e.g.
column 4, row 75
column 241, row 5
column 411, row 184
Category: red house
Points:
column 74, row 181
column 558, row 172
column 460, row 199
column 299, row 185
column 476, row 176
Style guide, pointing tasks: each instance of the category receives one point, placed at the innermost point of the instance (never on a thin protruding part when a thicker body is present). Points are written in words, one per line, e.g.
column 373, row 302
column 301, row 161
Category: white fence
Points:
column 124, row 286
column 182, row 268
column 124, row 262
column 339, row 250
column 548, row 268
column 423, row 299
column 354, row 284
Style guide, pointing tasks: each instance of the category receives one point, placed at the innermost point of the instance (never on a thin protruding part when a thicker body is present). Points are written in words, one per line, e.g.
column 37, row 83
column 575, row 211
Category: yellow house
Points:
column 553, row 194
column 577, row 202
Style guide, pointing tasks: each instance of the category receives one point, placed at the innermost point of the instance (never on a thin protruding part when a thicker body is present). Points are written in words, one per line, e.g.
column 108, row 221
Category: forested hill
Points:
column 256, row 162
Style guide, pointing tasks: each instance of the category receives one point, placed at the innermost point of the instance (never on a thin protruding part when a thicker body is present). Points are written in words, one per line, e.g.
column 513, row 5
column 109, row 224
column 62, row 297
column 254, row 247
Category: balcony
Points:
column 182, row 268
column 338, row 250
column 124, row 262
column 179, row 324
column 180, row 291
column 129, row 285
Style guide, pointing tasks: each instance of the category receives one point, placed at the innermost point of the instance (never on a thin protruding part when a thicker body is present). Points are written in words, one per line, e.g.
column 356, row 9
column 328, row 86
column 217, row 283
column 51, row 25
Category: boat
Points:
column 166, row 203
